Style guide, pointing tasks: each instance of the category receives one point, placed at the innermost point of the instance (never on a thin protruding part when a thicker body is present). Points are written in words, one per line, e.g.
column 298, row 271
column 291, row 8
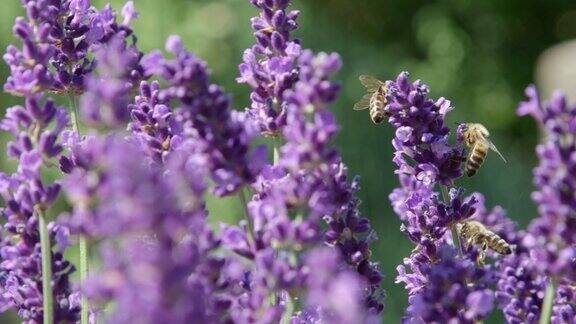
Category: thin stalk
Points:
column 453, row 228
column 548, row 302
column 83, row 242
column 47, row 295
column 287, row 317
column 83, row 247
column 275, row 160
column 276, row 151
column 74, row 113
column 244, row 203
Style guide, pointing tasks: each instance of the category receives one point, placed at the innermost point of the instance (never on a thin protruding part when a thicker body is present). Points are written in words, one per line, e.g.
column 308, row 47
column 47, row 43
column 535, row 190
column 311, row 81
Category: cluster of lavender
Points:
column 308, row 184
column 270, row 66
column 136, row 184
column 141, row 190
column 204, row 116
column 305, row 188
column 442, row 285
column 57, row 37
column 155, row 215
column 546, row 253
column 28, row 194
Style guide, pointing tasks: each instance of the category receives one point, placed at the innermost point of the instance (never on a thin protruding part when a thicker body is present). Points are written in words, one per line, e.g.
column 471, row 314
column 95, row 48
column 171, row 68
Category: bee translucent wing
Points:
column 370, row 82
column 363, row 103
column 495, row 149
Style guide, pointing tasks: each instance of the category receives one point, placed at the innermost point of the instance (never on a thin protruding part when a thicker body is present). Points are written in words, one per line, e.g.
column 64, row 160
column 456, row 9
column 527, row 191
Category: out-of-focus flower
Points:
column 205, row 116
column 107, row 91
column 335, row 292
column 155, row 214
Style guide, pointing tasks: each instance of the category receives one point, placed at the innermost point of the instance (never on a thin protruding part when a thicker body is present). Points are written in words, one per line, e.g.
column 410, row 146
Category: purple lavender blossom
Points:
column 269, row 67
column 457, row 291
column 552, row 239
column 564, row 310
column 421, row 133
column 205, row 116
column 36, row 128
column 426, row 222
column 335, row 292
column 308, row 184
column 153, row 123
column 57, row 37
column 156, row 215
column 442, row 287
column 521, row 289
column 107, row 92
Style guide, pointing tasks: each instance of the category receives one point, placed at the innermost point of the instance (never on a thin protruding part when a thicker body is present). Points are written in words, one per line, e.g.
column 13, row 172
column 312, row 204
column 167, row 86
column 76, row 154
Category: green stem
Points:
column 275, row 160
column 84, row 315
column 548, row 302
column 74, row 113
column 287, row 317
column 453, row 228
column 83, row 242
column 276, row 151
column 46, row 250
column 244, row 203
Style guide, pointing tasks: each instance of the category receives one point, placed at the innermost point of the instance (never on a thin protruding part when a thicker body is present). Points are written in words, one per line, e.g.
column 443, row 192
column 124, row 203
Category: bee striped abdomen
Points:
column 377, row 105
column 477, row 157
column 498, row 244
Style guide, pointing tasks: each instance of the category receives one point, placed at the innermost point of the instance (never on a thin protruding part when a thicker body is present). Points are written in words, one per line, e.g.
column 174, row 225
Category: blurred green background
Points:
column 479, row 54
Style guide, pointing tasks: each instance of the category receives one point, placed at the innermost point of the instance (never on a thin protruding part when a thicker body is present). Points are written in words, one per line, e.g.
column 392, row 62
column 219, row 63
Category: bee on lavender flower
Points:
column 476, row 138
column 475, row 233
column 375, row 99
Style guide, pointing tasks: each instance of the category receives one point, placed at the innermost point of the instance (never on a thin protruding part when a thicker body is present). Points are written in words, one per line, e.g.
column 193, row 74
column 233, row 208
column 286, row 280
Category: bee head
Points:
column 461, row 130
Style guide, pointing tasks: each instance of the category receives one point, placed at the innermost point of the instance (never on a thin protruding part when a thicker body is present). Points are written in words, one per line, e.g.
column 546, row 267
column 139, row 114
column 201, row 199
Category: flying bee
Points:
column 375, row 99
column 475, row 233
column 476, row 138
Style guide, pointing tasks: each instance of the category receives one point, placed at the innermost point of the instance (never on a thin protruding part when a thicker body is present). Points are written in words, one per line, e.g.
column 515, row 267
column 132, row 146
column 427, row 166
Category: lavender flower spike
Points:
column 36, row 127
column 156, row 215
column 269, row 67
column 206, row 117
column 107, row 93
column 57, row 38
column 553, row 235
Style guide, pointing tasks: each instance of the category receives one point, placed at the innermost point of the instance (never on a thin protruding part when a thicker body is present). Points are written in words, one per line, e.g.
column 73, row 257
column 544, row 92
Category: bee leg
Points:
column 482, row 254
column 470, row 242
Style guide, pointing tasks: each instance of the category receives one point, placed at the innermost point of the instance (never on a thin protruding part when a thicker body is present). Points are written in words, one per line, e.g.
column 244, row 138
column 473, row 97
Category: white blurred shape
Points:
column 556, row 69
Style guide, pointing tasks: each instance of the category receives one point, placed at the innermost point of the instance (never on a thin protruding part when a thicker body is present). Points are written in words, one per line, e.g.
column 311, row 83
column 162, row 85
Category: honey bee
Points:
column 475, row 233
column 476, row 138
column 375, row 99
